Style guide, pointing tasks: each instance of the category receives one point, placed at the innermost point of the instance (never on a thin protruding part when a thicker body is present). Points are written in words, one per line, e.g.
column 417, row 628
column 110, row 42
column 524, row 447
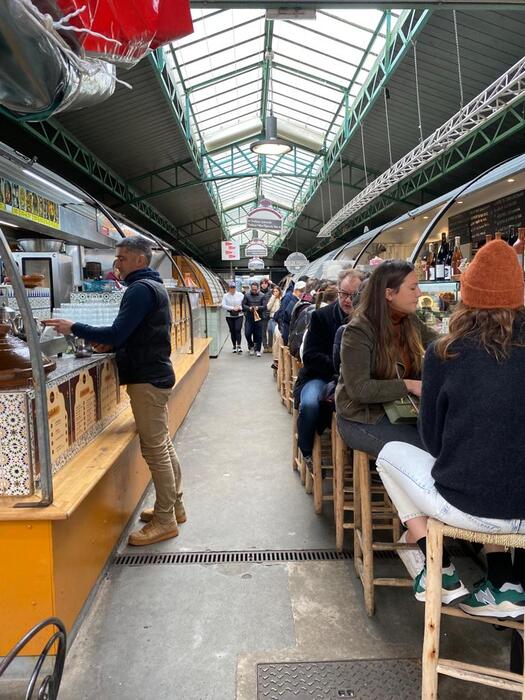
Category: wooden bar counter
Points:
column 52, row 557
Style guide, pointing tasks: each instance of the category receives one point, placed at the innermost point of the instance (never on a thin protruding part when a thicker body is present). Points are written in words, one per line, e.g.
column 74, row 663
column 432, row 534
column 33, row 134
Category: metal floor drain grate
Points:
column 252, row 557
column 385, row 679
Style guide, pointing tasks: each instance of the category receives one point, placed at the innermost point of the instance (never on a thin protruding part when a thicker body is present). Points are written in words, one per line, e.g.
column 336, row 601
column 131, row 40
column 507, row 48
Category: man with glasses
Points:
column 318, row 366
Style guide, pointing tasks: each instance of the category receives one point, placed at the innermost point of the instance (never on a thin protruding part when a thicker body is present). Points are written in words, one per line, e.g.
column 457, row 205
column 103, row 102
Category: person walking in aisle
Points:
column 140, row 334
column 470, row 422
column 232, row 303
column 272, row 306
column 267, row 293
column 253, row 307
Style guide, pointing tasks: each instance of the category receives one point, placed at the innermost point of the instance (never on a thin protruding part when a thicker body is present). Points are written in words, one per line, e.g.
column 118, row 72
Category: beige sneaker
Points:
column 154, row 532
column 180, row 513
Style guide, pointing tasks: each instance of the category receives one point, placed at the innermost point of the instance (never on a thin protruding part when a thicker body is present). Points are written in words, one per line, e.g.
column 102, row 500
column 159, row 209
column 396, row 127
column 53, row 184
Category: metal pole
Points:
column 39, row 379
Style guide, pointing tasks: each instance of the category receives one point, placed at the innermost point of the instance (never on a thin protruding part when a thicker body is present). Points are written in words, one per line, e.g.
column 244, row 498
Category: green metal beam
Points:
column 398, row 41
column 505, row 125
column 56, row 137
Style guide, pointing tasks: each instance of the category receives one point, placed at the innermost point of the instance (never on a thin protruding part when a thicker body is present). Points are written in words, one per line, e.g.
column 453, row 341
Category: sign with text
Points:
column 230, row 250
column 21, row 201
column 265, row 217
column 256, row 248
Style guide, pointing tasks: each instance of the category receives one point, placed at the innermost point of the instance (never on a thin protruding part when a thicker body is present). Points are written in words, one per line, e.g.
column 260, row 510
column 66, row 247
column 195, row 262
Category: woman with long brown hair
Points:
column 471, row 424
column 381, row 356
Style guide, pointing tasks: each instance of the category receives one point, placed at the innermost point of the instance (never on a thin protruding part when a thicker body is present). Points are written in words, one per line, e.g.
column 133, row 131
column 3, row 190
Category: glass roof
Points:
column 237, row 65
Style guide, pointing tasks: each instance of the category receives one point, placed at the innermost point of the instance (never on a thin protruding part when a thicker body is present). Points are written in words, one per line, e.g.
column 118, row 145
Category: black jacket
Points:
column 318, row 348
column 471, row 421
column 256, row 300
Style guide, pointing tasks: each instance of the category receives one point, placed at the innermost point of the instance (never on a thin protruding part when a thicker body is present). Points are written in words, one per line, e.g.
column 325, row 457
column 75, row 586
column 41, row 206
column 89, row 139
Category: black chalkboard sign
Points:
column 506, row 215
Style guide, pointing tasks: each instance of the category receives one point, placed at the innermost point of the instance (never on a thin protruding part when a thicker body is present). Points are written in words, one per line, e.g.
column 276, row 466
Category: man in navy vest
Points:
column 140, row 336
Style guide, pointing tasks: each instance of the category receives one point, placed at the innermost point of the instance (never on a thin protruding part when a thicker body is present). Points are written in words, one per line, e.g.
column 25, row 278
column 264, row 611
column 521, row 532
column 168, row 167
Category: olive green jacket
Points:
column 359, row 396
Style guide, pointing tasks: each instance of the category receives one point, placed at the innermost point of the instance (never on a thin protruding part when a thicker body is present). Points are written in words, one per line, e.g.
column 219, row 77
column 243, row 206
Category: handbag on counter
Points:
column 403, row 410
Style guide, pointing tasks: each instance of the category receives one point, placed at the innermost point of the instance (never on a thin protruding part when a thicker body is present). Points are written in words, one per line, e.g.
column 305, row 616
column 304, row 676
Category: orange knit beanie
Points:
column 494, row 279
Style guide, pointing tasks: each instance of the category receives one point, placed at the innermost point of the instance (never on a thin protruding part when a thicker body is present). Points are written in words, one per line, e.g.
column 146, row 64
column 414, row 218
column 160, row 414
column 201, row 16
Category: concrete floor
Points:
column 196, row 632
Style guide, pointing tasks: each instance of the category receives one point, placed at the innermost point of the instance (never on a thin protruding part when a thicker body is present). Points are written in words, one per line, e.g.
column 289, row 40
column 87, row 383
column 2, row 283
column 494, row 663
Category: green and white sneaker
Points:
column 488, row 601
column 452, row 587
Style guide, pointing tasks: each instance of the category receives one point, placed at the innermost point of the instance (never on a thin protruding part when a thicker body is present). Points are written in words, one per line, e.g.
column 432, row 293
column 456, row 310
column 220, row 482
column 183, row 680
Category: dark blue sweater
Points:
column 138, row 301
column 471, row 421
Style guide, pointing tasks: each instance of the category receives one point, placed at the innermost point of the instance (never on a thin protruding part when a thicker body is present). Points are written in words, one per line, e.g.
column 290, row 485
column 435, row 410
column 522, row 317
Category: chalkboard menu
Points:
column 506, row 215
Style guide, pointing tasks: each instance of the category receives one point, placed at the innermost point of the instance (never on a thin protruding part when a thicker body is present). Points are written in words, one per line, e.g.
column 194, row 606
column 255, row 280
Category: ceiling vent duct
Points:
column 217, row 140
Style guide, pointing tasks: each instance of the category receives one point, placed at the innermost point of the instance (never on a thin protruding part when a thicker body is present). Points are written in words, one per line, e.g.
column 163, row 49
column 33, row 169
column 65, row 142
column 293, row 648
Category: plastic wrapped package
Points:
column 123, row 31
column 39, row 73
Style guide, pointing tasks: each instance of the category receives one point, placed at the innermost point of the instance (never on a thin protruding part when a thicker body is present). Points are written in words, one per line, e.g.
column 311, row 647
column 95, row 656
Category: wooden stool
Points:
column 286, row 378
column 322, row 458
column 373, row 510
column 280, row 367
column 298, row 463
column 343, row 487
column 432, row 664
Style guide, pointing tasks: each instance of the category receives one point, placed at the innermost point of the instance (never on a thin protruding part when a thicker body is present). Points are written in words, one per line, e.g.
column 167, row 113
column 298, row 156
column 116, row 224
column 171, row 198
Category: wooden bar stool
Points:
column 286, row 378
column 323, row 470
column 373, row 510
column 280, row 367
column 343, row 487
column 433, row 665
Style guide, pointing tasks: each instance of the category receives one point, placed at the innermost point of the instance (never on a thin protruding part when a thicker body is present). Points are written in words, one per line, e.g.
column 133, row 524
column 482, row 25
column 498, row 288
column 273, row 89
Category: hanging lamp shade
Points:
column 271, row 145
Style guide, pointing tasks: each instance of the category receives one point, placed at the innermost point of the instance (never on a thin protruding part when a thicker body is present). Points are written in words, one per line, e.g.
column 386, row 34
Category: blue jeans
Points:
column 309, row 409
column 253, row 333
column 372, row 437
column 271, row 328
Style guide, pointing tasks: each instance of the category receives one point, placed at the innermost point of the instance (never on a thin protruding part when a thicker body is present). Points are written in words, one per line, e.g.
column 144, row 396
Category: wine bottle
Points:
column 498, row 236
column 448, row 262
column 431, row 263
column 441, row 257
column 456, row 256
column 519, row 246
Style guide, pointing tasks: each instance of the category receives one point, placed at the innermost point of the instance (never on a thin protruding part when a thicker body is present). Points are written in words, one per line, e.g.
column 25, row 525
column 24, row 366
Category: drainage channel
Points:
column 251, row 557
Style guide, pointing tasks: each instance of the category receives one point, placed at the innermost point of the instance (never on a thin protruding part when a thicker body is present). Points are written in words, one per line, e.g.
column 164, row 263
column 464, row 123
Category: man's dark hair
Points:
column 138, row 245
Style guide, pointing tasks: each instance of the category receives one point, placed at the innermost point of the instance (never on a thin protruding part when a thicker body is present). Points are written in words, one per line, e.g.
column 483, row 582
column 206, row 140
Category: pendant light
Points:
column 271, row 145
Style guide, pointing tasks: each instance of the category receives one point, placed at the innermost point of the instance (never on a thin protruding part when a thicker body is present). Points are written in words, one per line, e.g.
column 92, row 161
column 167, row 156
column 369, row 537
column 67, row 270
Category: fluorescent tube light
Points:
column 8, row 223
column 72, row 197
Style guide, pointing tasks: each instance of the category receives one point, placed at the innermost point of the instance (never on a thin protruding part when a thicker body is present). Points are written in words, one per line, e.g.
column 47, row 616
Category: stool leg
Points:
column 358, row 520
column 302, row 467
column 318, row 478
column 432, row 611
column 294, row 439
column 366, row 532
column 338, row 486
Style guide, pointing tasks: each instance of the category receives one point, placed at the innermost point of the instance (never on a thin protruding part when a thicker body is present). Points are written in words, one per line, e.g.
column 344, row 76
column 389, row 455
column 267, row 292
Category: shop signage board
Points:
column 265, row 217
column 21, row 201
column 295, row 262
column 256, row 264
column 256, row 248
column 230, row 250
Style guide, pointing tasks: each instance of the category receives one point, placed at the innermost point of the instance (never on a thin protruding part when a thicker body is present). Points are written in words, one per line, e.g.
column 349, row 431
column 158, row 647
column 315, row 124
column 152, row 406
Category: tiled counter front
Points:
column 83, row 397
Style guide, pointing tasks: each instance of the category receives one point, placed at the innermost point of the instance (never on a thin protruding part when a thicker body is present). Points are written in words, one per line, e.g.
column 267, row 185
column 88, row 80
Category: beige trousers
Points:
column 150, row 410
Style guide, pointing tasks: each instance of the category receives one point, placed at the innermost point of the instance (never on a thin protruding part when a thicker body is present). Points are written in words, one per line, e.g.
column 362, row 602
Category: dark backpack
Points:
column 298, row 326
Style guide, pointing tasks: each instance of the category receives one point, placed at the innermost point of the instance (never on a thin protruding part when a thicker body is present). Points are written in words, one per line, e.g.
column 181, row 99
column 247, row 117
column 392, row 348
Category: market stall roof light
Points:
column 71, row 197
column 271, row 145
column 8, row 223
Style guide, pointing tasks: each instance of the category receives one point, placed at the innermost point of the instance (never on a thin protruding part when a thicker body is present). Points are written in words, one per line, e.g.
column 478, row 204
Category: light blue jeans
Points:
column 406, row 473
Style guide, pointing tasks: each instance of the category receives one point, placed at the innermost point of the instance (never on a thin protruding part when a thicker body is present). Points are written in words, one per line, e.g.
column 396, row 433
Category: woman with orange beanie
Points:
column 471, row 423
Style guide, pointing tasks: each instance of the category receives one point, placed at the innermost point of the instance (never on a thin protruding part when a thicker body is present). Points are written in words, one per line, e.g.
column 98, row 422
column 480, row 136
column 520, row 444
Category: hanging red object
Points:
column 127, row 29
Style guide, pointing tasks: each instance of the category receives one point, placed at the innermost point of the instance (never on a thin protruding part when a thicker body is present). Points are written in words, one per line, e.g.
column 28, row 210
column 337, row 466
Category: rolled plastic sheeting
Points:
column 37, row 78
column 33, row 74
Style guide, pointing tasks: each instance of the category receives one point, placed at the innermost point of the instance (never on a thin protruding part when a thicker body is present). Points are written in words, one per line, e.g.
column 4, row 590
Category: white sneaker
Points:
column 234, row 350
column 252, row 351
column 239, row 349
column 258, row 353
column 413, row 559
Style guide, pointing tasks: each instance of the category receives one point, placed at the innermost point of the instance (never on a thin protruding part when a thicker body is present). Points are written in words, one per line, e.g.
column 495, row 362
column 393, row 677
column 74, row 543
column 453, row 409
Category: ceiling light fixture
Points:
column 8, row 223
column 271, row 145
column 510, row 179
column 72, row 197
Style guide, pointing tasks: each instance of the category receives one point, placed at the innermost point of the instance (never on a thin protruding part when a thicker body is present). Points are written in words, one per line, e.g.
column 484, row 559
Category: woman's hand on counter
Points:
column 61, row 325
column 100, row 347
column 413, row 386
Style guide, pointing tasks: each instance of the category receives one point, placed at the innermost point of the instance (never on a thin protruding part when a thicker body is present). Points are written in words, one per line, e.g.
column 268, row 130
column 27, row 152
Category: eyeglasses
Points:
column 346, row 295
